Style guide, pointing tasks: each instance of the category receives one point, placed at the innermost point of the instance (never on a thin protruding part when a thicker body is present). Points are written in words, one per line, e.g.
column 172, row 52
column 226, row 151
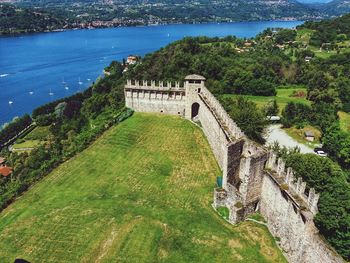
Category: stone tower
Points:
column 193, row 86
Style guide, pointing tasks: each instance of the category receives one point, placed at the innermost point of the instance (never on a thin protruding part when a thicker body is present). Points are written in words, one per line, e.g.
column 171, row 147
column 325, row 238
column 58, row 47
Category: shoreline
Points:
column 165, row 28
column 59, row 30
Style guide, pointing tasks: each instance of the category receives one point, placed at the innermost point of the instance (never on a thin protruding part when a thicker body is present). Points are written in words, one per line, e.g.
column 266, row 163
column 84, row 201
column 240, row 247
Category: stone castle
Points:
column 254, row 179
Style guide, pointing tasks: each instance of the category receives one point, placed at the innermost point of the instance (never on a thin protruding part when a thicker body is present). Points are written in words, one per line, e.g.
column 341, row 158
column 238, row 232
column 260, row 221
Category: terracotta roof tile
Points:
column 5, row 171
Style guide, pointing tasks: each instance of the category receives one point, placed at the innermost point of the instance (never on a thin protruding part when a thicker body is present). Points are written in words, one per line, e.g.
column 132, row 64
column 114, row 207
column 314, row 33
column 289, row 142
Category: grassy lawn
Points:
column 140, row 193
column 304, row 35
column 344, row 121
column 32, row 139
column 258, row 217
column 284, row 95
column 224, row 212
column 39, row 133
column 26, row 144
column 322, row 54
column 299, row 135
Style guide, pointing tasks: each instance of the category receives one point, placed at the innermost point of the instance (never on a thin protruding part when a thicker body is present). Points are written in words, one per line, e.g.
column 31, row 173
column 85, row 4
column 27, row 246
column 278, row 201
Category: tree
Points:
column 337, row 144
column 272, row 108
column 247, row 116
column 285, row 35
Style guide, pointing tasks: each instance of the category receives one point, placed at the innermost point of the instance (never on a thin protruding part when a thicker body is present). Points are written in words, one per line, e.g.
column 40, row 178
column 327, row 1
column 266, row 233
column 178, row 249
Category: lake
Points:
column 39, row 68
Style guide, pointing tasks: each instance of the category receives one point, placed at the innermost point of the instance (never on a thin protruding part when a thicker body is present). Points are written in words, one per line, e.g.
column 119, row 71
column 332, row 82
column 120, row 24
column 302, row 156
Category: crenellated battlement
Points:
column 154, row 85
column 295, row 187
column 230, row 127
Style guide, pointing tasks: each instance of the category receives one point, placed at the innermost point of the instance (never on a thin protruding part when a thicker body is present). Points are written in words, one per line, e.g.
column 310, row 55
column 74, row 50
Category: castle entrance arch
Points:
column 195, row 110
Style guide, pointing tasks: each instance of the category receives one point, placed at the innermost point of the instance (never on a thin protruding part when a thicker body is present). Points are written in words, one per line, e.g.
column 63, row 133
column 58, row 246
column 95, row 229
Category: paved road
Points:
column 276, row 133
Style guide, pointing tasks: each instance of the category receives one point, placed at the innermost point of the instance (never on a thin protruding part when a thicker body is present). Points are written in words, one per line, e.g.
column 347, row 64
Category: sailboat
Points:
column 80, row 82
column 51, row 93
column 63, row 82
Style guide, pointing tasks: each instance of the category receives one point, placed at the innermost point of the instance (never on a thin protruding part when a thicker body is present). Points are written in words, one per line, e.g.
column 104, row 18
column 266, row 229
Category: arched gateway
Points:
column 194, row 110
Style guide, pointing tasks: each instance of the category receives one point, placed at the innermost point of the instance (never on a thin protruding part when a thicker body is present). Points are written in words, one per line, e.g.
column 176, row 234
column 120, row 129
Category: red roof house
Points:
column 5, row 171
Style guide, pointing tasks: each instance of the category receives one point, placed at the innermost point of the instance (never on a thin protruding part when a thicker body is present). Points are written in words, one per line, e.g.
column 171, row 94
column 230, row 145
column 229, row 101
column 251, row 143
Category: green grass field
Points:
column 283, row 97
column 33, row 139
column 298, row 134
column 304, row 35
column 141, row 193
column 344, row 121
column 39, row 133
column 26, row 144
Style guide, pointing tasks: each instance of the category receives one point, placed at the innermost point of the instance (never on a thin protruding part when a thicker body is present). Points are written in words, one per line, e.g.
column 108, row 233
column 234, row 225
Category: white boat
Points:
column 31, row 92
column 80, row 82
column 10, row 102
column 51, row 93
column 66, row 87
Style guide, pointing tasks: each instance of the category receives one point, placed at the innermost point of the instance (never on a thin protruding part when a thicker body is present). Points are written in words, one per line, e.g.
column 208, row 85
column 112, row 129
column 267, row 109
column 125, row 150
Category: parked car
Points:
column 320, row 152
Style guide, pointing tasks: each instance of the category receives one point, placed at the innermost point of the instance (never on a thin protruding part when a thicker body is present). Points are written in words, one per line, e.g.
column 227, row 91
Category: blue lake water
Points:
column 33, row 67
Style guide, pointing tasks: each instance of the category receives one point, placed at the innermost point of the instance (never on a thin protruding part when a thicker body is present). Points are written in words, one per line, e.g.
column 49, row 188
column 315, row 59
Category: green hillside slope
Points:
column 140, row 193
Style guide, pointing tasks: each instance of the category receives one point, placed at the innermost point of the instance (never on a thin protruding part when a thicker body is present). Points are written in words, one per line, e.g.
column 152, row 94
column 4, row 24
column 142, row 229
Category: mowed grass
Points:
column 33, row 139
column 284, row 95
column 141, row 193
column 26, row 144
column 39, row 133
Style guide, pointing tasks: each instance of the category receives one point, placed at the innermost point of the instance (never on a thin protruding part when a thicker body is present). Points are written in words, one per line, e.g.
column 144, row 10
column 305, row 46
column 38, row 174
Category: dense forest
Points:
column 329, row 31
column 232, row 66
column 23, row 20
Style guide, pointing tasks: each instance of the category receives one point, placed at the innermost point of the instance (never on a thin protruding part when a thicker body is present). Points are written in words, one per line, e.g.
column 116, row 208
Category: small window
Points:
column 178, row 113
column 199, row 90
column 161, row 111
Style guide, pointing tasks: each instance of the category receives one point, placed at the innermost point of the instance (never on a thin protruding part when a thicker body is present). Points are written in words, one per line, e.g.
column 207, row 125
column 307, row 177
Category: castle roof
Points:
column 194, row 77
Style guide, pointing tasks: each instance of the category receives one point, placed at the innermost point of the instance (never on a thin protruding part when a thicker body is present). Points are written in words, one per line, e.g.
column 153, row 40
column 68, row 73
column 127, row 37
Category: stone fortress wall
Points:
column 152, row 97
column 253, row 178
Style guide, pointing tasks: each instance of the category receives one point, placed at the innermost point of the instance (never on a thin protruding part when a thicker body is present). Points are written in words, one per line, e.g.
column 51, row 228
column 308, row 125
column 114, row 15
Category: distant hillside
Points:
column 336, row 7
column 57, row 14
column 329, row 31
column 23, row 20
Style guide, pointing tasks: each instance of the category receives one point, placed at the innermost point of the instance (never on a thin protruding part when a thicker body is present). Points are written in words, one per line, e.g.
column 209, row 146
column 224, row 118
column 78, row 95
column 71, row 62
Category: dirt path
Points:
column 276, row 133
